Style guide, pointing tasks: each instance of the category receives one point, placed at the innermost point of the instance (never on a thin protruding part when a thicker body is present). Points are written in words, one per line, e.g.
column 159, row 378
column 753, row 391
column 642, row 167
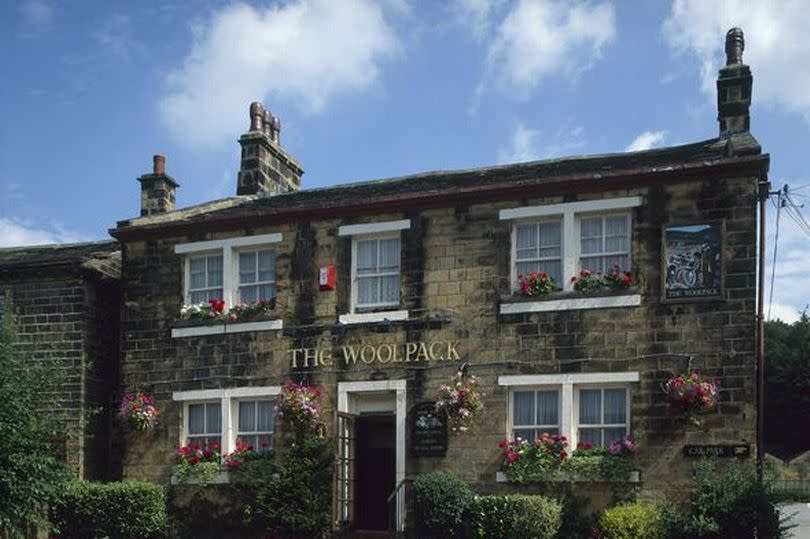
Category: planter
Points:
column 571, row 294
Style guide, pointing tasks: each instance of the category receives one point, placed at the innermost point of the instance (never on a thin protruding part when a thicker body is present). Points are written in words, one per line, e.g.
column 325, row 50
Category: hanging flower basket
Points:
column 459, row 402
column 299, row 405
column 138, row 410
column 692, row 394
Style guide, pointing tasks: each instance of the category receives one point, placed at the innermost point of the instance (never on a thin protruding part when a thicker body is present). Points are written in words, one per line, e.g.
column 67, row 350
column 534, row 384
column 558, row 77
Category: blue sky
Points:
column 373, row 88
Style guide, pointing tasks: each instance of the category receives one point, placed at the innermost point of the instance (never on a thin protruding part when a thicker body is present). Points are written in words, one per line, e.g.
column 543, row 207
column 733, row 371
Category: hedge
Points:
column 516, row 516
column 442, row 500
column 632, row 521
column 123, row 510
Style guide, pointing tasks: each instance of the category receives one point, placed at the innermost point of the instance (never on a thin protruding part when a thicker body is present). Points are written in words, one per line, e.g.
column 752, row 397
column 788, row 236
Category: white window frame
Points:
column 569, row 386
column 187, row 416
column 373, row 231
column 235, row 410
column 238, row 285
column 602, row 387
column 229, row 408
column 603, row 215
column 229, row 248
column 569, row 214
column 511, row 409
column 542, row 220
column 188, row 289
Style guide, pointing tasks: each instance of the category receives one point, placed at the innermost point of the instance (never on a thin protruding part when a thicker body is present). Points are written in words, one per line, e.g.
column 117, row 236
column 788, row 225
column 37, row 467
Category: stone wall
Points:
column 455, row 272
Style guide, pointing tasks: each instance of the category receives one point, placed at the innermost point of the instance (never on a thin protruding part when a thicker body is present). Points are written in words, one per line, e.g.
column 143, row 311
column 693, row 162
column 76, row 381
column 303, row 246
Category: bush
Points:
column 441, row 502
column 211, row 512
column 124, row 510
column 632, row 521
column 729, row 501
column 516, row 516
column 297, row 500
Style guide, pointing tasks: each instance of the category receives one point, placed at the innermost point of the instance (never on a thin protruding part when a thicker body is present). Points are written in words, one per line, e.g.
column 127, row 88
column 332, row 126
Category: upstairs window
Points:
column 204, row 423
column 377, row 273
column 257, row 276
column 538, row 248
column 605, row 241
column 205, row 278
column 602, row 415
column 534, row 412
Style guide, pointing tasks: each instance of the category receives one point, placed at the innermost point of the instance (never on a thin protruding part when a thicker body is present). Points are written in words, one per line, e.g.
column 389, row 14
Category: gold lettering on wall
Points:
column 369, row 354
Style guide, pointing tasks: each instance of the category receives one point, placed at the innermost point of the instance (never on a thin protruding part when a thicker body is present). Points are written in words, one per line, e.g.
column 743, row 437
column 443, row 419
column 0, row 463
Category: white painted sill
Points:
column 570, row 304
column 632, row 477
column 222, row 478
column 370, row 318
column 222, row 329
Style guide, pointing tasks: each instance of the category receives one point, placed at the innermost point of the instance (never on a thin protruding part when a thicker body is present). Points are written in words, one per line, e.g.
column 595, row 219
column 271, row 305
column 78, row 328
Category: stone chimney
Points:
column 734, row 88
column 157, row 189
column 266, row 168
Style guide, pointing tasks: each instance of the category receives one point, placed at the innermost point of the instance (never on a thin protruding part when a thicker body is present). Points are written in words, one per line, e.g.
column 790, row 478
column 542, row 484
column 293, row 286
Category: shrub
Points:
column 296, row 501
column 632, row 521
column 123, row 510
column 516, row 516
column 441, row 502
column 730, row 501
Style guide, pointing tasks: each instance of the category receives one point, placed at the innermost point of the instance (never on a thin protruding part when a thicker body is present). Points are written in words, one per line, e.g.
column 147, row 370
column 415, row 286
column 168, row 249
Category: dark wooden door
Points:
column 375, row 468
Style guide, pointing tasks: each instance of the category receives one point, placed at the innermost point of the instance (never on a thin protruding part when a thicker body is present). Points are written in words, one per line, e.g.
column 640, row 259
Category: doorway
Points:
column 375, row 439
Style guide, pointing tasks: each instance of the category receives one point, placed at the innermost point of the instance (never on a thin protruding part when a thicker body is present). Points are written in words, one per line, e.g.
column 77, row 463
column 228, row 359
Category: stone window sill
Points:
column 222, row 478
column 222, row 328
column 373, row 317
column 632, row 477
column 570, row 300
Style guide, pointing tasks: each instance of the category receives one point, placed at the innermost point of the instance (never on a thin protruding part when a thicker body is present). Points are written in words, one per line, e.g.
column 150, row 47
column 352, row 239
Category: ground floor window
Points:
column 583, row 407
column 226, row 416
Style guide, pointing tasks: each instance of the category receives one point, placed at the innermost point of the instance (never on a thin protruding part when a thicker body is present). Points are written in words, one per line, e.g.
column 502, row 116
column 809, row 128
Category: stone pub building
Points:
column 382, row 290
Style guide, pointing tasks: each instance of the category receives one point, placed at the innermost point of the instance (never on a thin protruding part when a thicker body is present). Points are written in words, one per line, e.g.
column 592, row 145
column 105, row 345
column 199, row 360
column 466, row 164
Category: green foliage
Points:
column 727, row 501
column 123, row 510
column 577, row 522
column 640, row 520
column 296, row 501
column 212, row 512
column 516, row 516
column 441, row 502
column 30, row 476
column 202, row 473
column 787, row 387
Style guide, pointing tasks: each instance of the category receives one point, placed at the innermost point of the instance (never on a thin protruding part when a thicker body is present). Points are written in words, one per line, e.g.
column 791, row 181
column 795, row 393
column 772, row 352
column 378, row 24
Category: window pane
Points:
column 616, row 225
column 549, row 236
column 214, row 271
column 247, row 416
column 197, row 269
column 594, row 436
column 389, row 289
column 523, row 408
column 615, row 406
column 611, row 435
column 591, row 246
column 367, row 290
column 265, row 442
column 590, row 407
column 591, row 227
column 267, row 266
column 267, row 291
column 593, row 263
column 366, row 256
column 213, row 418
column 266, row 411
column 526, row 238
column 199, row 297
column 196, row 418
column 389, row 254
column 247, row 267
column 250, row 439
column 248, row 294
column 524, row 434
column 547, row 408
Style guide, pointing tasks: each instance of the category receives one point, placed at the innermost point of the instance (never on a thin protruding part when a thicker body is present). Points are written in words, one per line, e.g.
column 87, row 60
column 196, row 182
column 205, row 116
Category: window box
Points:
column 566, row 300
column 633, row 476
column 221, row 478
column 196, row 327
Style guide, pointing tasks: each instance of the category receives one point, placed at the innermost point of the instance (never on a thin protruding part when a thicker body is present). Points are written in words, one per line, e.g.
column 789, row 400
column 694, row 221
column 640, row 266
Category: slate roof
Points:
column 100, row 256
column 595, row 167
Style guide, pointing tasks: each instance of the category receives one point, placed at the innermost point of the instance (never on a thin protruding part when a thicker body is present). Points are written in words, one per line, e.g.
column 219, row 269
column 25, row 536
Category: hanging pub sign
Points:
column 721, row 450
column 692, row 261
column 428, row 431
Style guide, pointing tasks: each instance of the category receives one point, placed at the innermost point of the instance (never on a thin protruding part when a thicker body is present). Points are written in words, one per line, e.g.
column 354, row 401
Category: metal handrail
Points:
column 398, row 507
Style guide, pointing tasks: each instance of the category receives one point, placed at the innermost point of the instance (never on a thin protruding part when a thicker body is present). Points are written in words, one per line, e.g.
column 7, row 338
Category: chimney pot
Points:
column 256, row 116
column 734, row 85
column 158, row 164
column 735, row 45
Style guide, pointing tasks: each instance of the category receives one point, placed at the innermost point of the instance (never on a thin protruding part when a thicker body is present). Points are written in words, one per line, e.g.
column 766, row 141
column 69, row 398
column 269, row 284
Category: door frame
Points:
column 346, row 390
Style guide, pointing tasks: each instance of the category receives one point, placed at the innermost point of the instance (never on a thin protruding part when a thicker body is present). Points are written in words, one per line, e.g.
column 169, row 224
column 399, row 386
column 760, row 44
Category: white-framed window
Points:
column 562, row 239
column 233, row 270
column 257, row 275
column 376, row 271
column 534, row 412
column 583, row 407
column 203, row 423
column 256, row 423
column 228, row 415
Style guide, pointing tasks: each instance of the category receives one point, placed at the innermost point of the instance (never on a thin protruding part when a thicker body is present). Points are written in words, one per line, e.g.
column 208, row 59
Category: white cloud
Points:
column 775, row 44
column 525, row 145
column 475, row 15
column 36, row 12
column 115, row 36
column 539, row 38
column 646, row 140
column 785, row 313
column 306, row 50
column 15, row 232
